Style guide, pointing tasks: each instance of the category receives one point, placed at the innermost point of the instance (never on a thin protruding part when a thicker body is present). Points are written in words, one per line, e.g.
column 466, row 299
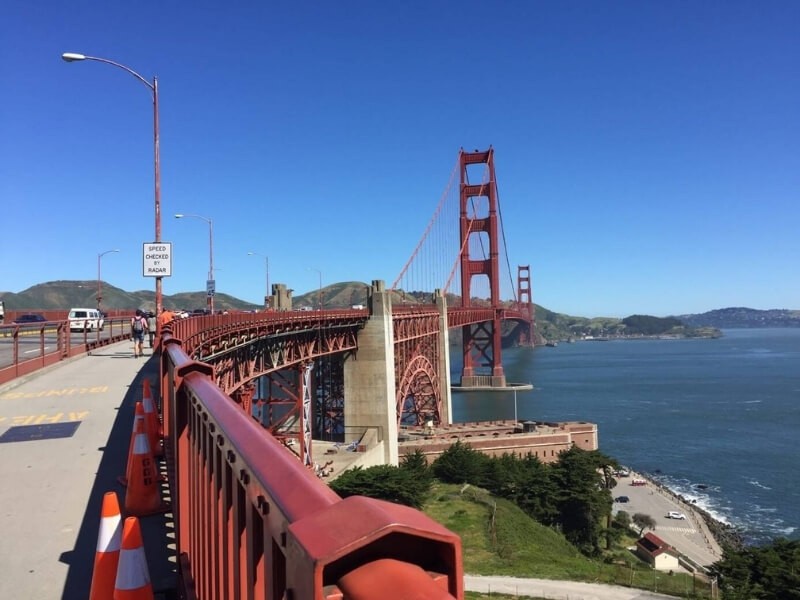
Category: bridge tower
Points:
column 481, row 342
column 525, row 299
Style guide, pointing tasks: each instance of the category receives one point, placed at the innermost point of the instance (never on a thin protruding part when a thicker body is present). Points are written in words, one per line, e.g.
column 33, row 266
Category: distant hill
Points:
column 550, row 325
column 739, row 317
column 63, row 295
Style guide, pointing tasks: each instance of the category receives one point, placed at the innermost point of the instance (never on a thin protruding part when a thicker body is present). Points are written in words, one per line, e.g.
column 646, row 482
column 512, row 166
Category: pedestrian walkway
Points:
column 64, row 437
column 555, row 590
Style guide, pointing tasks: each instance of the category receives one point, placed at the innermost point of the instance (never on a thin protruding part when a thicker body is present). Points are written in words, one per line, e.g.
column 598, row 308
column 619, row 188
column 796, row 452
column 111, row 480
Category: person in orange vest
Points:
column 165, row 317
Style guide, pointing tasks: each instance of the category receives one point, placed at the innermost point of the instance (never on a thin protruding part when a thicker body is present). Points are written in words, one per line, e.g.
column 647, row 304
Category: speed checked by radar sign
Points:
column 157, row 259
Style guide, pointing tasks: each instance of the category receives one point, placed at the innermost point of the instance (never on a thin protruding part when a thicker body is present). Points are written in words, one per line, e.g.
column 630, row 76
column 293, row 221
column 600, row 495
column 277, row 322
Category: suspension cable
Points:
column 430, row 224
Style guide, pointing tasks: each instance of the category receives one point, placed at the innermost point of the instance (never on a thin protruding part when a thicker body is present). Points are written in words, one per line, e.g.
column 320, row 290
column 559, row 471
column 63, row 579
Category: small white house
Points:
column 655, row 551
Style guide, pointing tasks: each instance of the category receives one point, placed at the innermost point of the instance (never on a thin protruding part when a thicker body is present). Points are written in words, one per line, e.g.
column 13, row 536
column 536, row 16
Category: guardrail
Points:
column 252, row 522
column 25, row 348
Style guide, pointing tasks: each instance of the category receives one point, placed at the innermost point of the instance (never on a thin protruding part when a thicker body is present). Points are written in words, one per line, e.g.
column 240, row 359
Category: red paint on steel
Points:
column 485, row 340
column 252, row 522
column 391, row 580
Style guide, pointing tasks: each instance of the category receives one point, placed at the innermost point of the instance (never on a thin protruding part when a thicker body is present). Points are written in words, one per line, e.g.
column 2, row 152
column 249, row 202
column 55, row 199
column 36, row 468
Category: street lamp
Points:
column 210, row 284
column 266, row 264
column 153, row 87
column 319, row 293
column 99, row 284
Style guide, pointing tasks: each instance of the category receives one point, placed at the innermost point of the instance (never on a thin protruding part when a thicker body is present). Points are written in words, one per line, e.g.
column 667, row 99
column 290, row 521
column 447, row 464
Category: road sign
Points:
column 210, row 287
column 157, row 259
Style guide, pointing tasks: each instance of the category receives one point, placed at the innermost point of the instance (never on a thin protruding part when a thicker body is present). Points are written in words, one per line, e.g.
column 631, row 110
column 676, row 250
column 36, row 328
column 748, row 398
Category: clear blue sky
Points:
column 648, row 153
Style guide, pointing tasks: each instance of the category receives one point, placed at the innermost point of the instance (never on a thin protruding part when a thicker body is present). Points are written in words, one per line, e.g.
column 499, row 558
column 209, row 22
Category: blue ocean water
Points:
column 720, row 414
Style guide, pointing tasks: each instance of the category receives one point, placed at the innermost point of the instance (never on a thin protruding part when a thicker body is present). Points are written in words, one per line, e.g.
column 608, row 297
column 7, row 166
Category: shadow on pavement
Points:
column 157, row 530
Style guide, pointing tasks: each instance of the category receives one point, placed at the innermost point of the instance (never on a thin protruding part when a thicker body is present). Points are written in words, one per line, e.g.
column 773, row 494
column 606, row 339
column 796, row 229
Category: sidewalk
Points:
column 54, row 472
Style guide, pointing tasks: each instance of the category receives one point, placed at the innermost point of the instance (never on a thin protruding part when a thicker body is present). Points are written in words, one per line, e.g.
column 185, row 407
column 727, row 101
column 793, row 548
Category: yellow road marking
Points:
column 46, row 418
column 73, row 391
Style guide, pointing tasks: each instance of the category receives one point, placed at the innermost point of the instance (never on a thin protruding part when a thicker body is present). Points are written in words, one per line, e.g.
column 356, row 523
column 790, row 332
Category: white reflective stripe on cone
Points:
column 110, row 537
column 140, row 444
column 132, row 572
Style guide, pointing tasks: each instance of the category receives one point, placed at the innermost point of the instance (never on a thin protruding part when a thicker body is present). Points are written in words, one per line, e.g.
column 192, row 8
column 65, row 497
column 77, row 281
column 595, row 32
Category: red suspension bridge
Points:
column 242, row 396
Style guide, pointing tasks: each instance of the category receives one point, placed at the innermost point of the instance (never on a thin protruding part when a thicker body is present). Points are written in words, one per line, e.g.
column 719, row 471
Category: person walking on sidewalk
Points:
column 151, row 327
column 138, row 329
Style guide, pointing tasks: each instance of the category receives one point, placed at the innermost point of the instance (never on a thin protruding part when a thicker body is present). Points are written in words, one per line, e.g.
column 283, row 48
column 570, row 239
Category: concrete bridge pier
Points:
column 444, row 359
column 369, row 381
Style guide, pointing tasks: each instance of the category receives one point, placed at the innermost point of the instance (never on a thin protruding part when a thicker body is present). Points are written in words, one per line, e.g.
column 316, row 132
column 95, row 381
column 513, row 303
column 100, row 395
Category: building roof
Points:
column 654, row 545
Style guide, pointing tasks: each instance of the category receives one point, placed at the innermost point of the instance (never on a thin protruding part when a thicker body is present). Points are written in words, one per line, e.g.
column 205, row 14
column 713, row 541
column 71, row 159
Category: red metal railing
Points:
column 252, row 522
column 27, row 348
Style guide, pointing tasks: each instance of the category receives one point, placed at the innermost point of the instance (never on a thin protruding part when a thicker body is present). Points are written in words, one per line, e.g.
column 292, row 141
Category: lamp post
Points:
column 99, row 281
column 153, row 87
column 319, row 293
column 266, row 265
column 210, row 284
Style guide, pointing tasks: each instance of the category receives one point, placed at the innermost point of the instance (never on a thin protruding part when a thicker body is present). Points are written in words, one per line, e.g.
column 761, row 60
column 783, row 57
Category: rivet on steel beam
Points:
column 263, row 505
column 244, row 477
column 231, row 456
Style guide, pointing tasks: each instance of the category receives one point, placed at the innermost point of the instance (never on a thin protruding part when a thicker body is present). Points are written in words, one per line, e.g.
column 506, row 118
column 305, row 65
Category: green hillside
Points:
column 498, row 538
column 516, row 544
column 62, row 295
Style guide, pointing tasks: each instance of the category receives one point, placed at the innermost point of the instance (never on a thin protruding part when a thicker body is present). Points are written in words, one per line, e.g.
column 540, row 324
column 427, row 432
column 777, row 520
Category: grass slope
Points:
column 500, row 539
column 508, row 543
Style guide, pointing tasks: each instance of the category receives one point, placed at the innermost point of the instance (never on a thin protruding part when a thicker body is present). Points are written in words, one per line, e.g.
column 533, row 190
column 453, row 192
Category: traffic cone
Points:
column 138, row 417
column 142, row 497
column 133, row 578
column 106, row 557
column 152, row 423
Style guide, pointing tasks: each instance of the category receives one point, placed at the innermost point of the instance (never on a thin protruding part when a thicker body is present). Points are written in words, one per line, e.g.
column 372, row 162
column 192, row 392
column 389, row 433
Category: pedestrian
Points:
column 151, row 327
column 165, row 317
column 138, row 329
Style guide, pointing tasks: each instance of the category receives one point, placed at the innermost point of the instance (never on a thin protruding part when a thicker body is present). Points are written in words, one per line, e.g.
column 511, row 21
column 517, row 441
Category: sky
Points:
column 647, row 153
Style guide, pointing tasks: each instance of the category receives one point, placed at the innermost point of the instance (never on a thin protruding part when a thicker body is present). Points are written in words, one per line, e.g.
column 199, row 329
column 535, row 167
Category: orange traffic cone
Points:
column 139, row 417
column 142, row 497
column 133, row 578
column 153, row 426
column 107, row 555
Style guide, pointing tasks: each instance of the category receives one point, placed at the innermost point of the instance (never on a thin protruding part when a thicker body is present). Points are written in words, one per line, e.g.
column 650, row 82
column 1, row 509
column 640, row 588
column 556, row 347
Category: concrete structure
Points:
column 495, row 438
column 369, row 377
column 657, row 553
column 281, row 298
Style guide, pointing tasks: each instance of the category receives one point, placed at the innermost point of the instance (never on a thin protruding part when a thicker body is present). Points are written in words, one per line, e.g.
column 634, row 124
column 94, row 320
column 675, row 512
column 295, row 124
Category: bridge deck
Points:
column 52, row 488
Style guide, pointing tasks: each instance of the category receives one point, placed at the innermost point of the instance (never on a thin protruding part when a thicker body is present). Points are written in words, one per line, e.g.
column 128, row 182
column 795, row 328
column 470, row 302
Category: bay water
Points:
column 715, row 420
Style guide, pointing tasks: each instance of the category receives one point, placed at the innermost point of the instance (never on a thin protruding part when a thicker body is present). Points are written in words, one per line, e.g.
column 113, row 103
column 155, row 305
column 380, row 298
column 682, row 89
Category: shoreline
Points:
column 723, row 533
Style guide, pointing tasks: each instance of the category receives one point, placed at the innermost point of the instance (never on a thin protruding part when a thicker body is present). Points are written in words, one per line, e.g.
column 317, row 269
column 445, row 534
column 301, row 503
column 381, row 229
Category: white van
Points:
column 83, row 319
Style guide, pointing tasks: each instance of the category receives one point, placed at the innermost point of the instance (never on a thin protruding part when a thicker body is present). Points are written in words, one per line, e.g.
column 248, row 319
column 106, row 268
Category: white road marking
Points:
column 37, row 350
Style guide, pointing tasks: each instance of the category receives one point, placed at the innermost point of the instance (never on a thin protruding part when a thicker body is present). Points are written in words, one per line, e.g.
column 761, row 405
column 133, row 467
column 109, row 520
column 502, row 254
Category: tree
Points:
column 768, row 572
column 461, row 464
column 385, row 482
column 643, row 521
column 583, row 500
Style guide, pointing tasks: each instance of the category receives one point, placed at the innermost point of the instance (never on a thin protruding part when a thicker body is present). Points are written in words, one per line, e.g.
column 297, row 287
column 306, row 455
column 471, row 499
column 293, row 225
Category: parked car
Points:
column 622, row 499
column 674, row 514
column 29, row 318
